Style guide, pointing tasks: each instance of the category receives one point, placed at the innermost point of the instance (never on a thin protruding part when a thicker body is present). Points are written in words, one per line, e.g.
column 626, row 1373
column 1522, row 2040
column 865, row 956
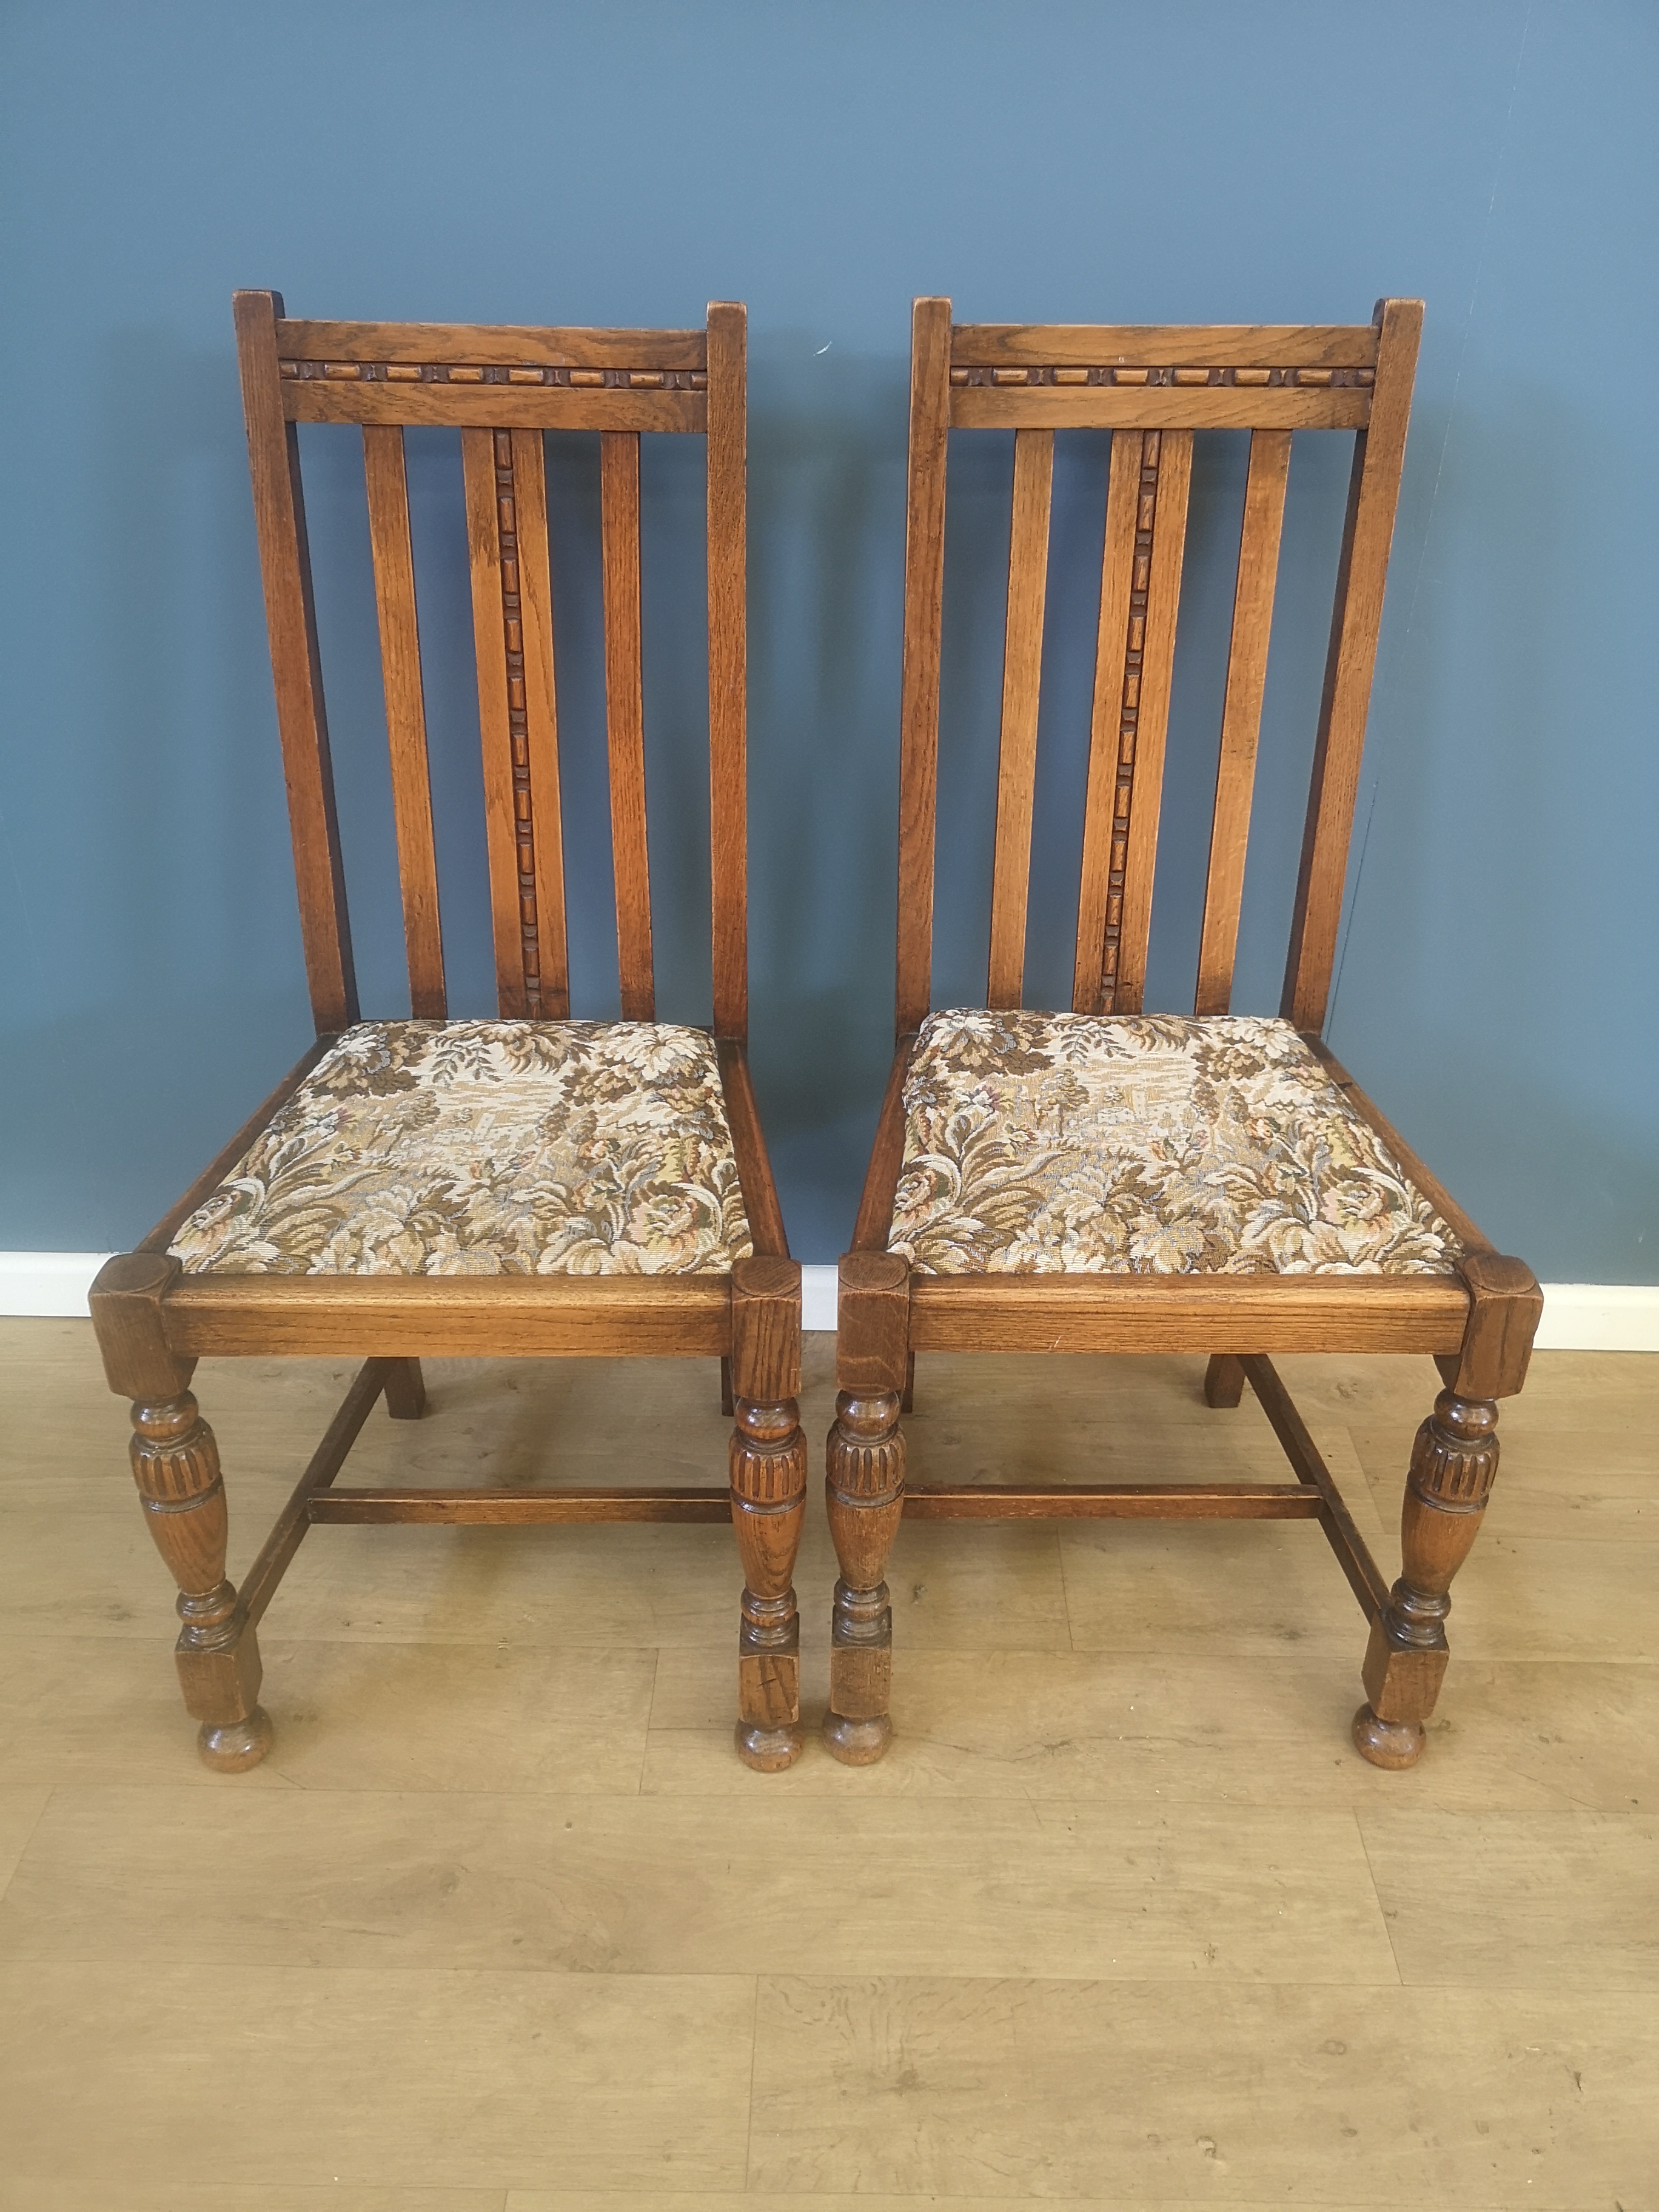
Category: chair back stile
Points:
column 503, row 389
column 1153, row 388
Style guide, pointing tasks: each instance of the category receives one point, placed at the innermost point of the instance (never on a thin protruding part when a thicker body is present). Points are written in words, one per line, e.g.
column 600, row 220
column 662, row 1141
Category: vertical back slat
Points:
column 285, row 566
column 1241, row 715
column 1021, row 673
column 624, row 712
column 1362, row 573
column 1165, row 475
column 486, row 458
column 924, row 602
column 541, row 823
column 1105, row 849
column 387, row 484
column 728, row 800
column 1145, row 534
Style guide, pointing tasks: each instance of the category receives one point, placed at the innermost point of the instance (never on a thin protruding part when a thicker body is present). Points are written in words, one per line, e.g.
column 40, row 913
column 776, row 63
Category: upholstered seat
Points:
column 1147, row 1144
column 487, row 1148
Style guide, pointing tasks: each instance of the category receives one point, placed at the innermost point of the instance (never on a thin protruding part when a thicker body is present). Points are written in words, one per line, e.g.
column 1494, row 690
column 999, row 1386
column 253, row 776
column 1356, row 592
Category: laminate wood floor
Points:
column 502, row 1925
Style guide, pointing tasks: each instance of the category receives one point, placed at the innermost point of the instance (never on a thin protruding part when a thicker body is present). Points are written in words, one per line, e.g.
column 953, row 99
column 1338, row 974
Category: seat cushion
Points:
column 1146, row 1145
column 487, row 1148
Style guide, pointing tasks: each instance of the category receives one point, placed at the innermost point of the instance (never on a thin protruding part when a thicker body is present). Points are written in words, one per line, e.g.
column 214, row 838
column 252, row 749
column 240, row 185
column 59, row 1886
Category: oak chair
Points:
column 529, row 1186
column 1108, row 1181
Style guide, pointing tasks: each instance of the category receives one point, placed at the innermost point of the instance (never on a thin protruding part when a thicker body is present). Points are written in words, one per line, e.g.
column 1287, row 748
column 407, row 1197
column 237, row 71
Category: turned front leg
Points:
column 1453, row 1464
column 769, row 1506
column 864, row 1492
column 175, row 1463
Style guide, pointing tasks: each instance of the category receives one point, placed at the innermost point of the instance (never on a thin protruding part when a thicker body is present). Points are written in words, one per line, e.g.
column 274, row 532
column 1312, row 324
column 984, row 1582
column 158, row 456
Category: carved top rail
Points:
column 1252, row 376
column 500, row 377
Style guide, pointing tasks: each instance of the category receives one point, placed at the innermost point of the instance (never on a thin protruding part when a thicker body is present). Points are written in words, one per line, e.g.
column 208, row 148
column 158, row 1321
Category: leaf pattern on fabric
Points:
column 1065, row 1143
column 487, row 1148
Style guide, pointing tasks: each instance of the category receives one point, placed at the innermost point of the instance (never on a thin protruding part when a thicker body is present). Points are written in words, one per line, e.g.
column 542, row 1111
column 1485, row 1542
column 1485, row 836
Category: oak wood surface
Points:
column 517, row 1509
column 1275, row 345
column 1172, row 1313
column 1379, row 457
column 1022, row 675
column 728, row 633
column 1365, row 1577
column 395, row 1316
column 875, row 1213
column 296, row 668
column 484, row 504
column 1264, row 486
column 624, row 719
column 760, row 1197
column 508, row 344
column 1105, row 846
column 287, row 1531
column 924, row 604
column 1168, row 455
column 1111, row 1501
column 1111, row 407
column 531, row 662
column 387, row 485
column 495, row 406
column 503, row 387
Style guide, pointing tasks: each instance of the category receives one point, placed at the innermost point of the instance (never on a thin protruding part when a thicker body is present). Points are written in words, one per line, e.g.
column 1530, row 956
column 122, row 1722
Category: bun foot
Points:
column 238, row 1745
column 769, row 1750
column 857, row 1743
column 1393, row 1744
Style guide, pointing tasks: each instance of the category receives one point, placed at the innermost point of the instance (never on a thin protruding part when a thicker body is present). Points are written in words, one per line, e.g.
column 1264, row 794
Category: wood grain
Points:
column 924, row 604
column 1170, row 453
column 1362, row 575
column 760, row 1196
column 1264, row 486
column 505, row 344
column 495, row 406
column 290, row 617
column 1187, row 1313
column 1021, row 677
column 393, row 558
column 489, row 642
column 1272, row 345
column 460, row 1316
column 875, row 1214
column 728, row 632
column 624, row 719
column 535, row 730
column 1154, row 407
column 1105, row 842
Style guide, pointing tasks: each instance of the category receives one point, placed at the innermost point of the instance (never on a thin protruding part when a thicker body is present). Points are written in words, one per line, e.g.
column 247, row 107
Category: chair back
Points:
column 503, row 388
column 1153, row 388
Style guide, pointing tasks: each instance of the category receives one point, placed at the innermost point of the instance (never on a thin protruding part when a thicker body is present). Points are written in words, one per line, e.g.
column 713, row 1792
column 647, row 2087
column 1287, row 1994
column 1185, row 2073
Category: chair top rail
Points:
column 507, row 345
column 1164, row 349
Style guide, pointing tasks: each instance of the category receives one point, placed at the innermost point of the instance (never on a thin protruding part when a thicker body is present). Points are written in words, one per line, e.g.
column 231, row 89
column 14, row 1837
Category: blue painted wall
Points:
column 624, row 164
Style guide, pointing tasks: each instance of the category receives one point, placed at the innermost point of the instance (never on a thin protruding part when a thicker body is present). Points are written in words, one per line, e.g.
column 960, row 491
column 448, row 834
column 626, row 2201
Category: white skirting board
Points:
column 1577, row 1317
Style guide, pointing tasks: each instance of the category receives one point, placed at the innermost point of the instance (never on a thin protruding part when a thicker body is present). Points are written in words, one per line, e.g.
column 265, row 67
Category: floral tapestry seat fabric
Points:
column 1146, row 1145
column 485, row 1148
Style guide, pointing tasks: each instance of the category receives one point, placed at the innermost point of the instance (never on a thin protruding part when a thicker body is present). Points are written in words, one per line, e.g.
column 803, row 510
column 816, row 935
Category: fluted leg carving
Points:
column 769, row 1507
column 1453, row 1462
column 864, row 1491
column 768, row 1503
column 175, row 1463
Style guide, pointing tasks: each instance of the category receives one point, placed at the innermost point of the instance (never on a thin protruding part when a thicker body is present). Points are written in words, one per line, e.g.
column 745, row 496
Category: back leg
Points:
column 1224, row 1380
column 405, row 1392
